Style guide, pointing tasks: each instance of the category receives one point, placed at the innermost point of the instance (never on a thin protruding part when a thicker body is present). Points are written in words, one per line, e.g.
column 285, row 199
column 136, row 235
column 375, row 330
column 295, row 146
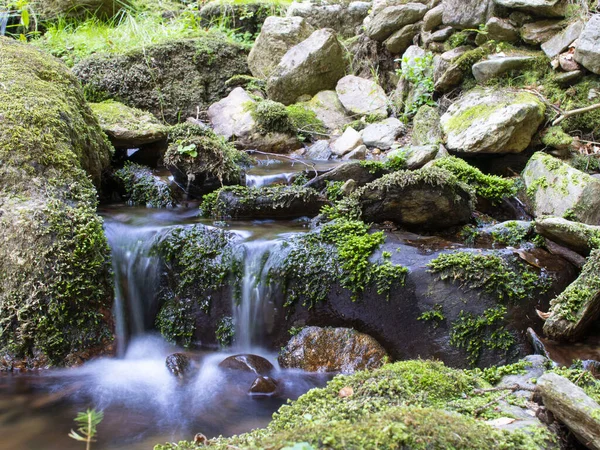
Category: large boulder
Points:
column 55, row 288
column 555, row 188
column 467, row 13
column 128, row 127
column 54, row 9
column 344, row 350
column 362, row 97
column 587, row 52
column 393, row 18
column 345, row 18
column 541, row 8
column 492, row 121
column 277, row 36
column 171, row 80
column 314, row 65
column 429, row 198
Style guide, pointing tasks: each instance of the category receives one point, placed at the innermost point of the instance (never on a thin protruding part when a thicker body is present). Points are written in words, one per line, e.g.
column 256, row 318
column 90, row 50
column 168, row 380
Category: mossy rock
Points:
column 245, row 16
column 54, row 9
column 56, row 290
column 170, row 80
column 141, row 187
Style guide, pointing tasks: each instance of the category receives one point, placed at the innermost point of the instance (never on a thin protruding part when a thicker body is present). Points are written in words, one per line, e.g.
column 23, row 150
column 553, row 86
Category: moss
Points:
column 143, row 188
column 225, row 331
column 494, row 375
column 111, row 114
column 582, row 378
column 247, row 82
column 512, row 233
column 435, row 315
column 555, row 137
column 491, row 187
column 305, row 121
column 586, row 163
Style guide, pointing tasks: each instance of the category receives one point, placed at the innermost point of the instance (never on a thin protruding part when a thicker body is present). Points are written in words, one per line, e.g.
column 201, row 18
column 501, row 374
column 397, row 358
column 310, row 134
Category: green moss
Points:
column 582, row 378
column 494, row 375
column 225, row 331
column 111, row 114
column 435, row 315
column 491, row 187
column 586, row 163
column 556, row 137
column 305, row 121
column 512, row 233
column 458, row 39
column 247, row 82
column 143, row 188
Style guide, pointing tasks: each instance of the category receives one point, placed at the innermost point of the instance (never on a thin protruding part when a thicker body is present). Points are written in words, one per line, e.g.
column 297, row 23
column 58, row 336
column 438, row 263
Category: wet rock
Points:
column 497, row 65
column 362, row 97
column 587, row 52
column 382, row 134
column 393, row 18
column 170, row 80
column 467, row 13
column 343, row 350
column 400, row 40
column 428, row 198
column 433, row 18
column 356, row 171
column 346, row 142
column 541, row 8
column 272, row 202
column 426, row 126
column 573, row 407
column 320, row 150
column 329, row 110
column 561, row 41
column 248, row 363
column 179, row 364
column 555, row 188
column 140, row 186
column 576, row 309
column 575, row 235
column 492, row 121
column 314, row 65
column 277, row 36
column 345, row 18
column 536, row 33
column 263, row 386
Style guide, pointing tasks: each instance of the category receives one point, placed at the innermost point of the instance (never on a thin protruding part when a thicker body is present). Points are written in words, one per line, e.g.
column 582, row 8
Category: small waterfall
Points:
column 4, row 17
column 253, row 312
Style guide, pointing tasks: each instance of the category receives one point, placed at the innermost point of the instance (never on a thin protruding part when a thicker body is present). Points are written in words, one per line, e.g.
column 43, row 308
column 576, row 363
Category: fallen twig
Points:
column 573, row 112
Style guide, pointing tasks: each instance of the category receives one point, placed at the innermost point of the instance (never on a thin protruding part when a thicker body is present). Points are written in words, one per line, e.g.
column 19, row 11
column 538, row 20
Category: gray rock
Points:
column 359, row 153
column 344, row 350
column 433, row 18
column 426, row 126
column 536, row 33
column 314, row 65
column 277, row 36
column 320, row 150
column 446, row 75
column 492, row 121
column 398, row 42
column 555, row 188
column 561, row 41
column 497, row 65
column 417, row 156
column 441, row 35
column 428, row 198
column 501, row 30
column 573, row 407
column 346, row 142
column 467, row 13
column 380, row 5
column 575, row 235
column 587, row 52
column 542, row 8
column 382, row 134
column 362, row 97
column 345, row 18
column 392, row 19
column 329, row 110
column 230, row 117
column 568, row 77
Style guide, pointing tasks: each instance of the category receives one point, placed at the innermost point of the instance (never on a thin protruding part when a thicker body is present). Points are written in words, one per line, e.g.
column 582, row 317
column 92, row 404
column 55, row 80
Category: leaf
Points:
column 25, row 17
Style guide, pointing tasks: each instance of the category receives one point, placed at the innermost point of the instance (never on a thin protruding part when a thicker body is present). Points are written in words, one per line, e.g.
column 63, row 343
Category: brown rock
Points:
column 247, row 363
column 263, row 386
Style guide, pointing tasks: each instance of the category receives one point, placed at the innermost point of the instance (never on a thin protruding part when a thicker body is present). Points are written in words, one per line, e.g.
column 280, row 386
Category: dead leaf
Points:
column 346, row 392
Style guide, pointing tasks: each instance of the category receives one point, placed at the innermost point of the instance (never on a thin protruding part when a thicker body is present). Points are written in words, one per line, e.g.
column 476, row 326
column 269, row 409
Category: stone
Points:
column 492, row 121
column 351, row 170
column 362, row 97
column 320, row 150
column 399, row 41
column 573, row 407
column 359, row 153
column 393, row 18
column 277, row 36
column 555, row 188
column 428, row 198
column 178, row 364
column 263, row 386
column 56, row 290
column 244, row 17
column 418, row 155
column 426, row 126
column 568, row 78
column 230, row 117
column 462, row 14
column 433, row 18
column 345, row 18
column 497, row 65
column 128, row 127
column 447, row 75
column 587, row 52
column 267, row 202
column 139, row 186
column 346, row 142
column 542, row 8
column 314, row 65
column 575, row 235
column 567, row 62
column 576, row 310
column 343, row 350
column 536, row 33
column 329, row 110
column 247, row 363
column 501, row 30
column 441, row 35
column 561, row 41
column 382, row 134
column 172, row 80
column 47, row 10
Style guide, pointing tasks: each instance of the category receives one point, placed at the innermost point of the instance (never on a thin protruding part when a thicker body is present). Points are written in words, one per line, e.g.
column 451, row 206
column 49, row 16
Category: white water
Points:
column 270, row 179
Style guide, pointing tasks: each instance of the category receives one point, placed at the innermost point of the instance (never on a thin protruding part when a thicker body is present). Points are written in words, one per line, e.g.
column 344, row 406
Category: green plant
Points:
column 87, row 422
column 189, row 150
column 435, row 315
column 225, row 331
column 419, row 72
column 23, row 10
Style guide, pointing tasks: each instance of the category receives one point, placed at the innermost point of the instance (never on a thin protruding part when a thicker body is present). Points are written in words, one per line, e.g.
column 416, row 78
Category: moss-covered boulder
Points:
column 55, row 288
column 555, row 188
column 492, row 121
column 431, row 198
column 128, row 127
column 244, row 17
column 170, row 80
column 141, row 187
column 54, row 9
column 576, row 235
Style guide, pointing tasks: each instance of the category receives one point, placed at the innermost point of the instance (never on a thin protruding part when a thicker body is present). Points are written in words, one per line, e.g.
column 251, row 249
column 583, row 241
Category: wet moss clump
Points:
column 143, row 188
column 55, row 288
column 275, row 117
